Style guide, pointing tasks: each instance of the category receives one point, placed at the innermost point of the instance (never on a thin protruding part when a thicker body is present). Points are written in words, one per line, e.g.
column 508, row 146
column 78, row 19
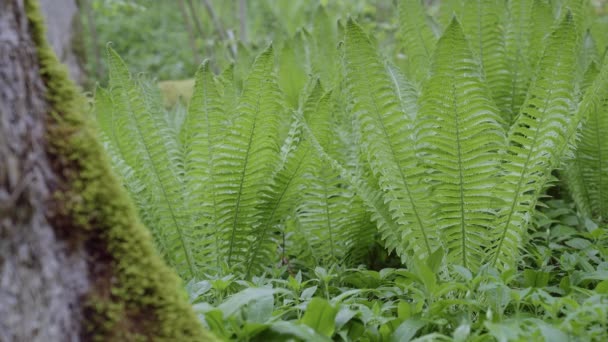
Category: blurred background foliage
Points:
column 168, row 39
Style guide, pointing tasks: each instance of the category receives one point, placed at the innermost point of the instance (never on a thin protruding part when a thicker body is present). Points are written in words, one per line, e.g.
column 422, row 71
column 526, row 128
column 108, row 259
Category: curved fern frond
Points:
column 104, row 115
column 229, row 89
column 246, row 157
column 588, row 54
column 405, row 91
column 293, row 69
column 387, row 142
column 544, row 123
column 483, row 27
column 199, row 136
column 417, row 38
column 324, row 216
column 587, row 173
column 542, row 24
column 148, row 146
column 278, row 200
column 461, row 133
column 518, row 49
column 324, row 52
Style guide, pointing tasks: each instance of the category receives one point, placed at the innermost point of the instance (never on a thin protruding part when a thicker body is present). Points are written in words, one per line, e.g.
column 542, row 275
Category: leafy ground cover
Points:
column 560, row 293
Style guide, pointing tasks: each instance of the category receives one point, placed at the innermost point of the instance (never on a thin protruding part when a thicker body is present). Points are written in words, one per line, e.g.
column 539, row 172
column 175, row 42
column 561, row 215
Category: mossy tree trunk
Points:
column 75, row 262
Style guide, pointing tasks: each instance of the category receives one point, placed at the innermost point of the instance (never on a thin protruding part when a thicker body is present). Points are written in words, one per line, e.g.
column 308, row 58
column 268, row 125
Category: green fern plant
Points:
column 218, row 189
column 454, row 178
column 449, row 158
column 587, row 171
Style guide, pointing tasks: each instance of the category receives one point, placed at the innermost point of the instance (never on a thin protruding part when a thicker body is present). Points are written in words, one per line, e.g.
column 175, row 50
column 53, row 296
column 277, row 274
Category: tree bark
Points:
column 64, row 34
column 75, row 262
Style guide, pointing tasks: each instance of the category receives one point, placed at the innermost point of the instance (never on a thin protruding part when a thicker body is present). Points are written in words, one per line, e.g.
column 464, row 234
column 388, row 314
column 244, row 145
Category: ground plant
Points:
column 440, row 176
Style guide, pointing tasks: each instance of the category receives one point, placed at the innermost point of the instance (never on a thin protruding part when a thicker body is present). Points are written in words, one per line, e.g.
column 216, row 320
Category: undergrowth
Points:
column 280, row 189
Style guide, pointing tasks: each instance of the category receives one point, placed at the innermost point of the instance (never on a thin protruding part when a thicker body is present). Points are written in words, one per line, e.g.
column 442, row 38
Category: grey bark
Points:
column 42, row 276
column 62, row 31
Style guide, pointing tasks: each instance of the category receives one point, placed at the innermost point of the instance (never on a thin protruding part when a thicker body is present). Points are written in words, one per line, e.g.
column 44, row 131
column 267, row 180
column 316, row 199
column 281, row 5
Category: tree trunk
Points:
column 75, row 262
column 65, row 35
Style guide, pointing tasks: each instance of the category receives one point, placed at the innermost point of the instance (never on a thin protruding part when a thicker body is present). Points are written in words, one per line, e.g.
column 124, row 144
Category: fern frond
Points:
column 417, row 38
column 104, row 115
column 324, row 216
column 146, row 145
column 405, row 91
column 279, row 200
column 293, row 70
column 541, row 27
column 199, row 136
column 588, row 54
column 587, row 173
column 246, row 157
column 387, row 142
column 483, row 27
column 324, row 52
column 462, row 134
column 536, row 139
column 518, row 51
column 369, row 194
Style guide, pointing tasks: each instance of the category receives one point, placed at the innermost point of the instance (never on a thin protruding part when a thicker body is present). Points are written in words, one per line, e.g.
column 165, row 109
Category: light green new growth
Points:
column 447, row 160
column 461, row 134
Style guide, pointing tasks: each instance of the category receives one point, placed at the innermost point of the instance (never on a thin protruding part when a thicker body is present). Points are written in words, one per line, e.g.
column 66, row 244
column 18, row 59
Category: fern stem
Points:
column 328, row 218
column 597, row 125
column 463, row 231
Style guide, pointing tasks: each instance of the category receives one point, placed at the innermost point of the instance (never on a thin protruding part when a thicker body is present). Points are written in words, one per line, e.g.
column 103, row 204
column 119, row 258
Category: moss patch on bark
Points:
column 134, row 295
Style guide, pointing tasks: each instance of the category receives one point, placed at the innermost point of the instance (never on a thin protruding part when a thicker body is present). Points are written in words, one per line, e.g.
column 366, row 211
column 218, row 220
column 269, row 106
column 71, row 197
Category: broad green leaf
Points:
column 407, row 330
column 320, row 315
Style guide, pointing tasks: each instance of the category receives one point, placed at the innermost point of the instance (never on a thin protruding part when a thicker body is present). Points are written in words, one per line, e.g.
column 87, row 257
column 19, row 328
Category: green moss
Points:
column 134, row 295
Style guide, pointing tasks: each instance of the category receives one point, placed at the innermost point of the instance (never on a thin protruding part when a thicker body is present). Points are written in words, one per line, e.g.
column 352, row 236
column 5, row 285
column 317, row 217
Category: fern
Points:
column 280, row 199
column 448, row 158
column 145, row 144
column 586, row 174
column 199, row 137
column 542, row 22
column 518, row 50
column 328, row 213
column 545, row 121
column 246, row 156
column 482, row 24
column 417, row 38
column 387, row 146
column 461, row 133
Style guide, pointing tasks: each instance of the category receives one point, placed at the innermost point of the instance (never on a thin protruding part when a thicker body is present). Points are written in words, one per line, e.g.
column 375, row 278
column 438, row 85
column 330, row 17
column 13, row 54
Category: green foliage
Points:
column 154, row 33
column 483, row 180
column 544, row 302
column 586, row 172
column 310, row 158
column 441, row 168
column 460, row 133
